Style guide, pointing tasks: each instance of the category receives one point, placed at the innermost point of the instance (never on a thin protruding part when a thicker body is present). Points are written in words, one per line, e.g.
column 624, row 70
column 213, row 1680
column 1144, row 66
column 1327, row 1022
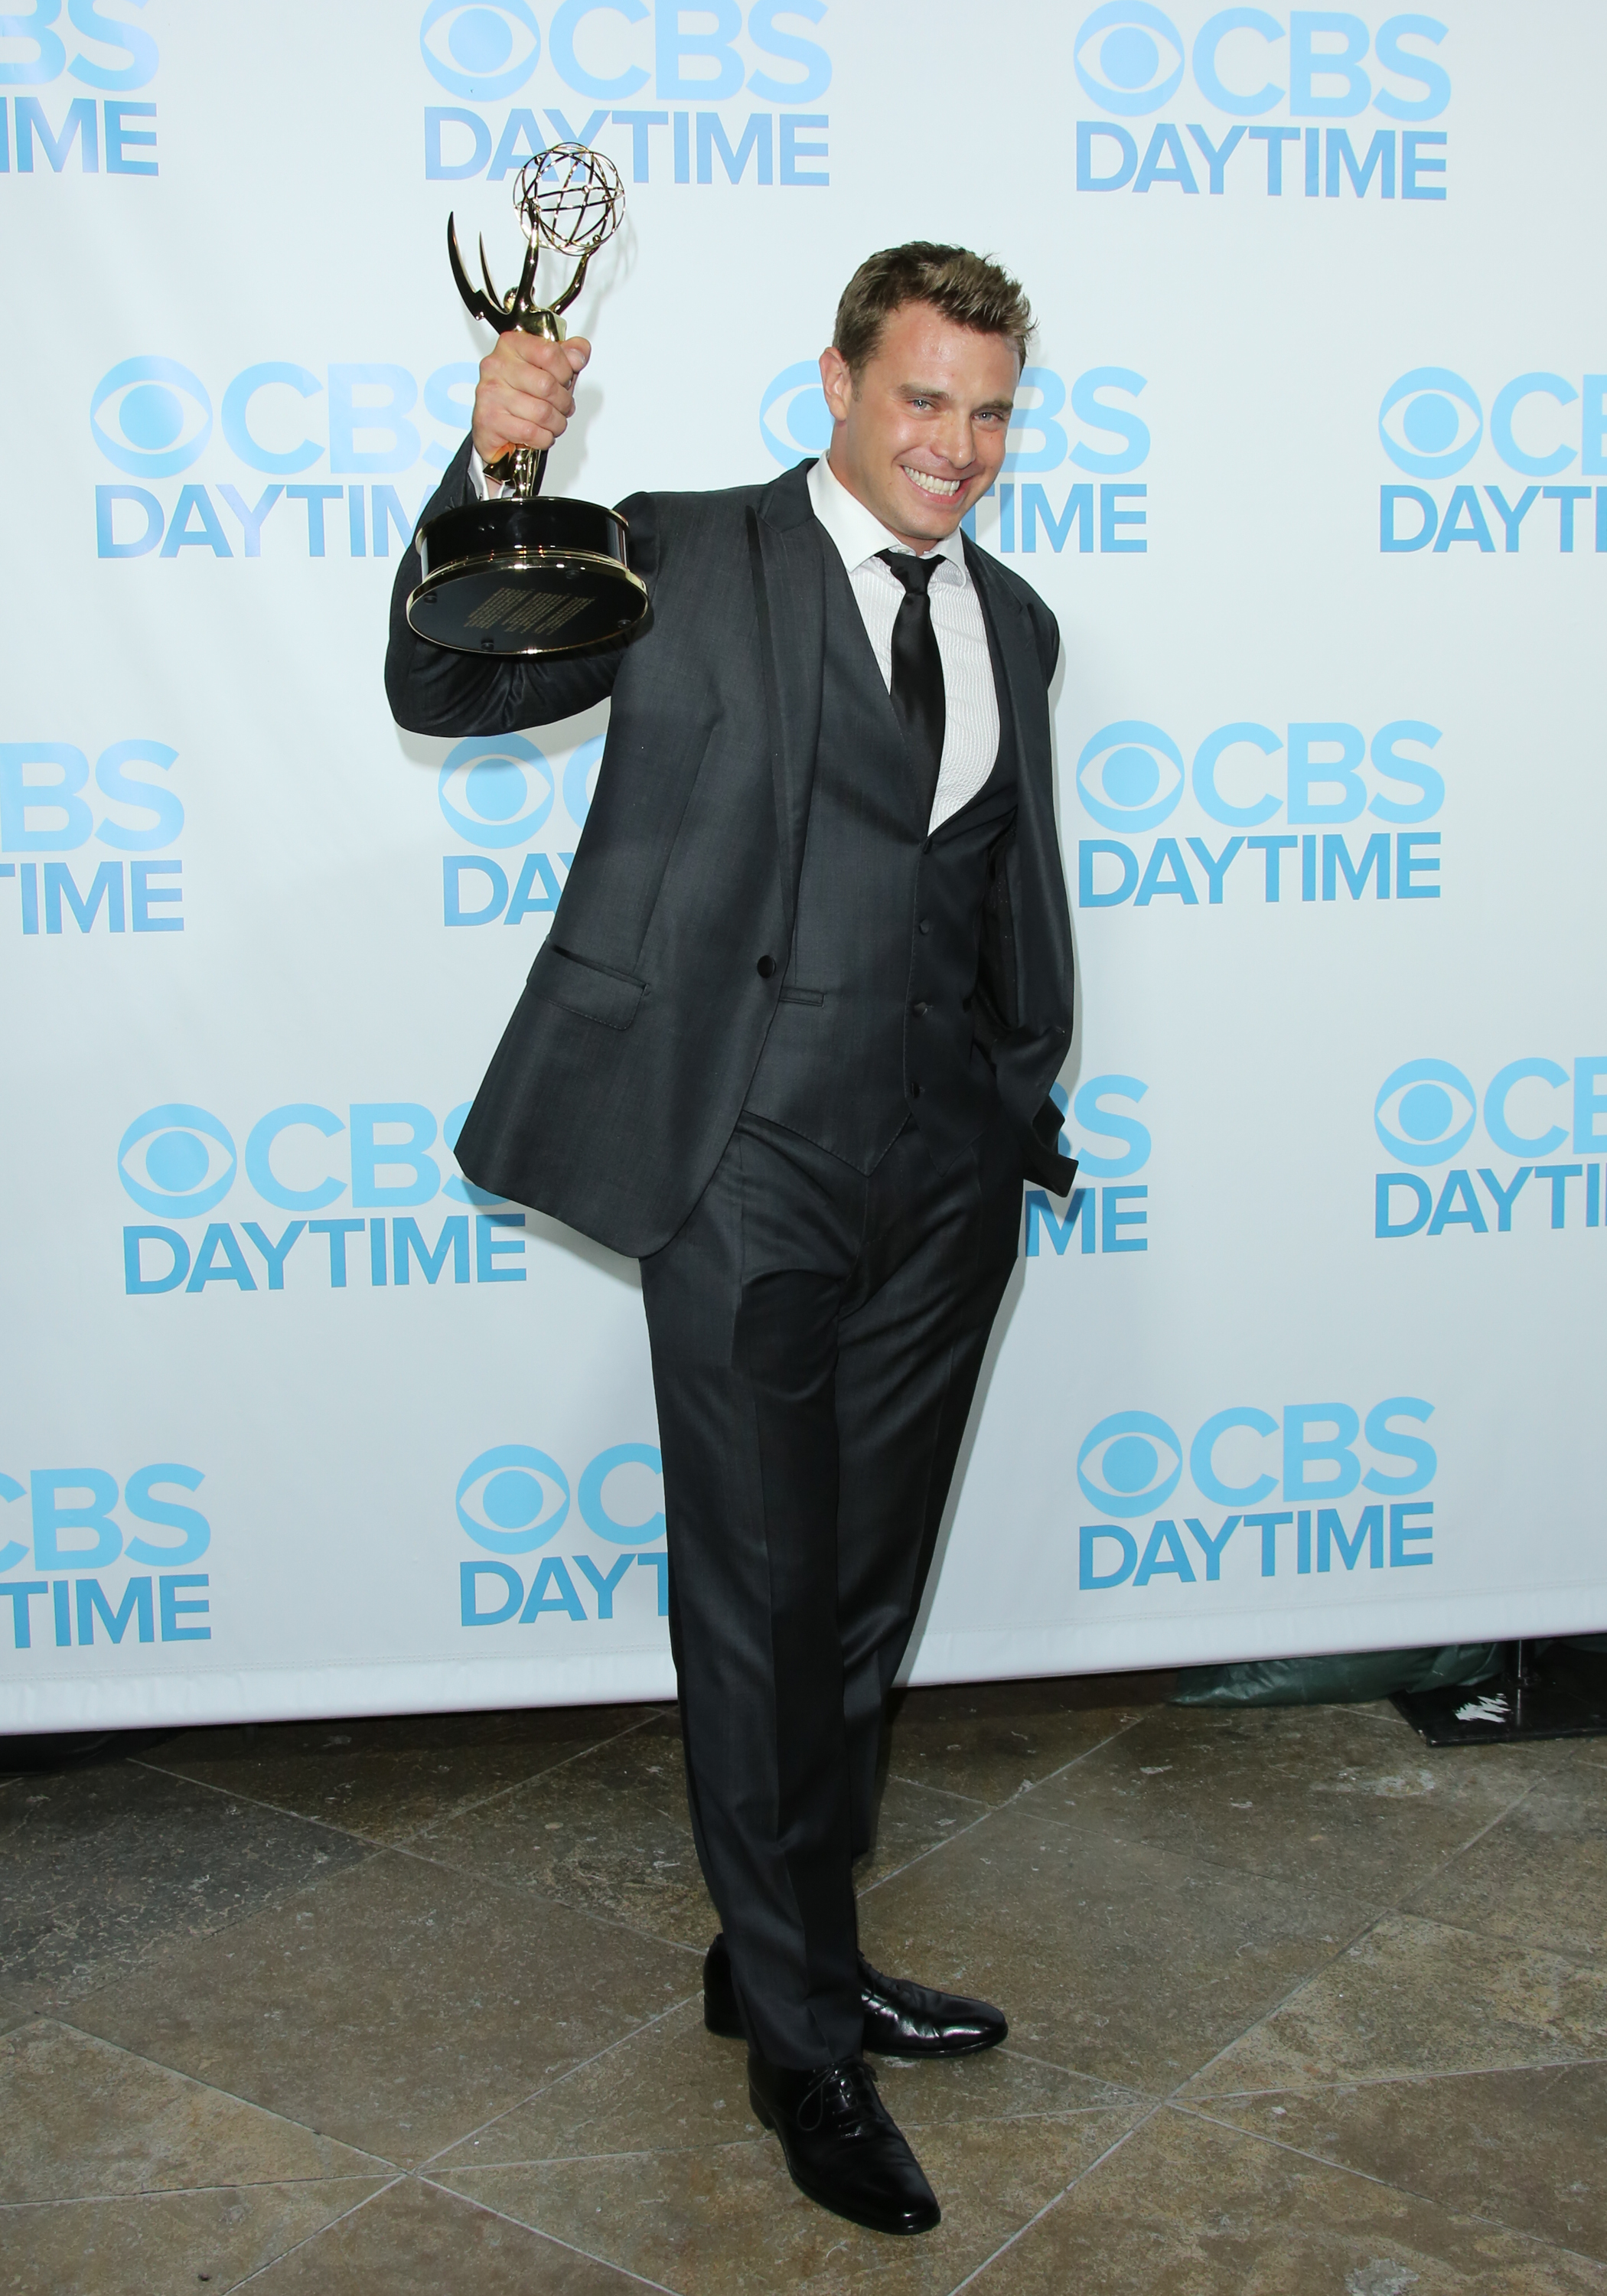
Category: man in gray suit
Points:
column 790, row 1043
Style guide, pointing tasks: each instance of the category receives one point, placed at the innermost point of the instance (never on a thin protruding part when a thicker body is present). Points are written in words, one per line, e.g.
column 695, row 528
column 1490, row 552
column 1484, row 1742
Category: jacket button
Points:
column 925, row 925
column 766, row 967
column 914, row 1092
column 920, row 1009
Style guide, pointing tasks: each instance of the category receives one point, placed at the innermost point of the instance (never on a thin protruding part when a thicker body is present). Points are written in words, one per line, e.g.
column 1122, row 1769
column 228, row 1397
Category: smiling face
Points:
column 919, row 432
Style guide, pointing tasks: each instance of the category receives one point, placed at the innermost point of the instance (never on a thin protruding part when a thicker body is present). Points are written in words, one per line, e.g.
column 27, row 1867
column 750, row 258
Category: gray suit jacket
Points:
column 621, row 1075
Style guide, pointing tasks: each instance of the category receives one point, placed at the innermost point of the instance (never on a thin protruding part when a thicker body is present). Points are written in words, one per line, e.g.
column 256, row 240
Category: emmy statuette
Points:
column 527, row 573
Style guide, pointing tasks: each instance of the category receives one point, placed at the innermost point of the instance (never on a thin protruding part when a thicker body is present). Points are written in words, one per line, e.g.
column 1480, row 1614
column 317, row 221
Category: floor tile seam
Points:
column 1122, row 2090
column 257, row 2271
column 636, row 2279
column 1028, row 1785
column 156, row 1949
column 948, row 1793
column 1010, row 2119
column 757, row 2141
column 28, row 2015
column 754, row 2143
column 1193, row 1862
column 500, row 1794
column 1054, row 2203
column 258, row 1802
column 581, row 2065
column 936, row 1850
column 387, row 2174
column 1593, row 1963
column 1036, row 1785
column 1299, row 1987
column 1454, row 1857
column 1391, row 2185
column 1219, row 1864
column 1384, row 2080
column 527, row 1896
column 192, row 2081
column 355, row 1833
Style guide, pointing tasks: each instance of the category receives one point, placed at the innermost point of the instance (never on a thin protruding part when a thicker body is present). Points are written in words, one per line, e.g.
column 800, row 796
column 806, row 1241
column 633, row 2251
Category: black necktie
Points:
column 917, row 688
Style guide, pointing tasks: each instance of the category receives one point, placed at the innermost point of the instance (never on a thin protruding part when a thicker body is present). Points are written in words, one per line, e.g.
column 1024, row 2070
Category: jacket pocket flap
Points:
column 558, row 977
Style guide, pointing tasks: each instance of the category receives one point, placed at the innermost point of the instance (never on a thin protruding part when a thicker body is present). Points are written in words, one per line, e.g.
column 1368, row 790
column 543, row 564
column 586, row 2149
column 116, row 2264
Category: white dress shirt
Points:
column 970, row 728
column 971, row 725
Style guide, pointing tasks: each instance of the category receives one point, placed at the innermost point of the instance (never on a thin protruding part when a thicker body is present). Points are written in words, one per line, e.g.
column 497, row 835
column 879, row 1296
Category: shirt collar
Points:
column 857, row 533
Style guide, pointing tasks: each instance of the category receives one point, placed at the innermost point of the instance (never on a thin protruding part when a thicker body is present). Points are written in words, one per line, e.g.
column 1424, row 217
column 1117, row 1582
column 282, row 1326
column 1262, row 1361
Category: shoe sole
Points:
column 930, row 2056
column 833, row 2207
column 734, row 2032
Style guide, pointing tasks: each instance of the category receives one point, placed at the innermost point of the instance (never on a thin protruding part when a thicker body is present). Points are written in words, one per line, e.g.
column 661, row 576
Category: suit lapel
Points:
column 1016, row 668
column 787, row 550
column 1041, row 921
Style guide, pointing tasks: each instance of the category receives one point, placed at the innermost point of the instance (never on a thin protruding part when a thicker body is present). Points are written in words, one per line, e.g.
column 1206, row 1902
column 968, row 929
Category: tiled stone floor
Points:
column 1298, row 2005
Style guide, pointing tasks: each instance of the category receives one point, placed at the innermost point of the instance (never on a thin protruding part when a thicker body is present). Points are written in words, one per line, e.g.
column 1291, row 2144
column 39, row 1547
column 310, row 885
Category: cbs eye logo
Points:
column 495, row 793
column 513, row 1498
column 794, row 421
column 1130, row 775
column 177, row 1161
column 1424, row 1112
column 499, row 792
column 1123, row 1463
column 1120, row 63
column 479, row 52
column 1431, row 422
column 161, row 417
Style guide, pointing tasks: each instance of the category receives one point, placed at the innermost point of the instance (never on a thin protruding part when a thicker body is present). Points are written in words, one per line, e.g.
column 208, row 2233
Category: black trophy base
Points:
column 550, row 575
column 1545, row 1690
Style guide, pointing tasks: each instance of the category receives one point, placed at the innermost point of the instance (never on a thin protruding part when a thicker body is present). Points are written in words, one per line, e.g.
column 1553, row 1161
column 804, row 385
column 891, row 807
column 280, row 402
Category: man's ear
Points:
column 837, row 381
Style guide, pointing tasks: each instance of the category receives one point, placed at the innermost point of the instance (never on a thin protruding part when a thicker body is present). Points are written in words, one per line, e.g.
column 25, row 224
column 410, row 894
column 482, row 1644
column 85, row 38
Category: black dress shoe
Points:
column 844, row 2149
column 901, row 2019
column 904, row 2020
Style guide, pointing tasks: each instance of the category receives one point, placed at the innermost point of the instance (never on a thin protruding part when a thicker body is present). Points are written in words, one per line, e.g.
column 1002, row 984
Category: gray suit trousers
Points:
column 816, row 1337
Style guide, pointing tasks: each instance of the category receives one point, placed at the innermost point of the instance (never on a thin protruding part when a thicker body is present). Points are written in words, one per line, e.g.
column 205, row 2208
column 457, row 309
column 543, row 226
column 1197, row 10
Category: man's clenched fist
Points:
column 526, row 392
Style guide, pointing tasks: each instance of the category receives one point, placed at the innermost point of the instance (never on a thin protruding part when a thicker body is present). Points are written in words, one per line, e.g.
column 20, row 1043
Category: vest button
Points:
column 764, row 967
column 920, row 1009
column 925, row 925
column 914, row 1092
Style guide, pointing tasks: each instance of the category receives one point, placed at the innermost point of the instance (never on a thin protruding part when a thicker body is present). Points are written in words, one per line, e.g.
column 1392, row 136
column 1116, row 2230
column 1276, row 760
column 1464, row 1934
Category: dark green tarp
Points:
column 1350, row 1678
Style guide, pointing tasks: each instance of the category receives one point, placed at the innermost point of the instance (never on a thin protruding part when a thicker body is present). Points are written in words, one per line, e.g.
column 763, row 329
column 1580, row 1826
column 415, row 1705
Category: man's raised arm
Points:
column 525, row 397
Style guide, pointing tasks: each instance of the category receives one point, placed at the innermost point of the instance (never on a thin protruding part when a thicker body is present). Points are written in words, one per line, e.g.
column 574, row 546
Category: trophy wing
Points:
column 563, row 302
column 478, row 304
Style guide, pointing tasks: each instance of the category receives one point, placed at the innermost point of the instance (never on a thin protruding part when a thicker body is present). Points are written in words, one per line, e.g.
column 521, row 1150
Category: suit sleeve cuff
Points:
column 488, row 490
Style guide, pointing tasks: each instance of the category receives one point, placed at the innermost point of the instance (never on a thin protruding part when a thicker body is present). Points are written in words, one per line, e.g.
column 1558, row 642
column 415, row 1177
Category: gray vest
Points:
column 874, row 1023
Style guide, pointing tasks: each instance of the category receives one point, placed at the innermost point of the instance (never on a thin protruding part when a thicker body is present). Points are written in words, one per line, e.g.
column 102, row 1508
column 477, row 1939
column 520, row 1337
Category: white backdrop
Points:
column 295, row 1424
